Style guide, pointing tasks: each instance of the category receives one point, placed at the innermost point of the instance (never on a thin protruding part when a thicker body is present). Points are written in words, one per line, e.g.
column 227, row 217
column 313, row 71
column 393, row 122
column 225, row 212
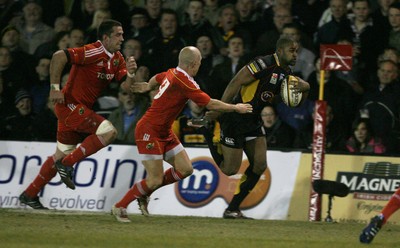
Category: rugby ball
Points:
column 289, row 97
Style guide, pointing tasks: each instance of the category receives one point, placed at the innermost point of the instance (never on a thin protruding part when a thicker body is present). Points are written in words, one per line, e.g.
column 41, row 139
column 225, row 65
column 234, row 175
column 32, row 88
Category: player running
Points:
column 154, row 136
column 94, row 66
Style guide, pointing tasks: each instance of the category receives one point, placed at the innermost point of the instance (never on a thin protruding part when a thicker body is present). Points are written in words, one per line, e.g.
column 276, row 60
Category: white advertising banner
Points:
column 103, row 179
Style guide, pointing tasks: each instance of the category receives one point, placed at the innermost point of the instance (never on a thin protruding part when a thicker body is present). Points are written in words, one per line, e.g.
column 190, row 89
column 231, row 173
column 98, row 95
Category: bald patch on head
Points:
column 188, row 55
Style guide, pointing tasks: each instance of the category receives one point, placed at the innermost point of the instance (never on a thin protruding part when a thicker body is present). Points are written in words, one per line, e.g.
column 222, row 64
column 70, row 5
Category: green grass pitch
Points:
column 33, row 228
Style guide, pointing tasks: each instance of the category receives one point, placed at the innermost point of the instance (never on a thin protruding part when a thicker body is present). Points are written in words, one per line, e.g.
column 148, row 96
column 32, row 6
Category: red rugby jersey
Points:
column 176, row 88
column 93, row 68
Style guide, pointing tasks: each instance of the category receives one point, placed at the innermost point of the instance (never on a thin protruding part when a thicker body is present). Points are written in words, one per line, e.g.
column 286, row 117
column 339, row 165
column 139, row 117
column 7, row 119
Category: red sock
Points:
column 392, row 206
column 138, row 190
column 46, row 173
column 171, row 176
column 90, row 145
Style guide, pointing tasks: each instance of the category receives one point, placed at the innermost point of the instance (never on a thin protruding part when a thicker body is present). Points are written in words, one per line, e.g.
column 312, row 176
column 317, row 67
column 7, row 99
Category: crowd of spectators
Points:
column 228, row 33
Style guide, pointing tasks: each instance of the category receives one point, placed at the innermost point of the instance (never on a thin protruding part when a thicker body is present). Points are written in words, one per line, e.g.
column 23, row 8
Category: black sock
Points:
column 247, row 183
column 218, row 158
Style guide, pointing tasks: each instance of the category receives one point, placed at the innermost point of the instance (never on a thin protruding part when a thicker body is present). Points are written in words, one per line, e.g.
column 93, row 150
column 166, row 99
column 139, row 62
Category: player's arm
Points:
column 220, row 106
column 131, row 67
column 143, row 87
column 243, row 77
column 57, row 64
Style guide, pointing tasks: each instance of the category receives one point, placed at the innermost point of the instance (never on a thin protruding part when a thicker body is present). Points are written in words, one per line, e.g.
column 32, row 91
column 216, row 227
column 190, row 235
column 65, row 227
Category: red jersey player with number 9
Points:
column 155, row 139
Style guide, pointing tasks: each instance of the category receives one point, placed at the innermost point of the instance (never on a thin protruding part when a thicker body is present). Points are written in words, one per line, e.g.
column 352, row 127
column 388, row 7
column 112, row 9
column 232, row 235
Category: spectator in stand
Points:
column 305, row 57
column 211, row 10
column 394, row 20
column 227, row 27
column 209, row 59
column 125, row 117
column 266, row 42
column 19, row 125
column 297, row 118
column 344, row 106
column 33, row 31
column 269, row 12
column 46, row 132
column 222, row 73
column 76, row 38
column 178, row 5
column 118, row 8
column 101, row 4
column 278, row 133
column 63, row 24
column 54, row 9
column 309, row 13
column 363, row 139
column 133, row 47
column 389, row 53
column 195, row 24
column 335, row 135
column 10, row 38
column 13, row 79
column 9, row 10
column 98, row 17
column 61, row 41
column 140, row 28
column 164, row 47
column 249, row 19
column 83, row 18
column 41, row 86
column 362, row 35
column 383, row 103
column 6, row 105
column 380, row 19
column 154, row 8
column 328, row 33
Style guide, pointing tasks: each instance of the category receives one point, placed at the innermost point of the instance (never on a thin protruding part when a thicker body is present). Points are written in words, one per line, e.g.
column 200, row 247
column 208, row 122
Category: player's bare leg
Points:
column 181, row 168
column 256, row 152
column 105, row 135
column 232, row 160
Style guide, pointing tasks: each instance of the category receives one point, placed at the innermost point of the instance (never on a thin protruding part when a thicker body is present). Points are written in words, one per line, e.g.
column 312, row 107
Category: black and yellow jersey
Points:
column 268, row 76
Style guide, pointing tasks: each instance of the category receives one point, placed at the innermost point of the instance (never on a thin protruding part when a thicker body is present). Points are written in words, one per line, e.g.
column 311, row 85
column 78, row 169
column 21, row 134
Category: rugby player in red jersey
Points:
column 154, row 136
column 94, row 66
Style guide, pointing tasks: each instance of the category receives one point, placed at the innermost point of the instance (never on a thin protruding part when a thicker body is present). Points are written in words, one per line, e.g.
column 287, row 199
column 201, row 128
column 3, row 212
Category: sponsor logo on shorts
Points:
column 150, row 146
column 229, row 141
column 81, row 110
